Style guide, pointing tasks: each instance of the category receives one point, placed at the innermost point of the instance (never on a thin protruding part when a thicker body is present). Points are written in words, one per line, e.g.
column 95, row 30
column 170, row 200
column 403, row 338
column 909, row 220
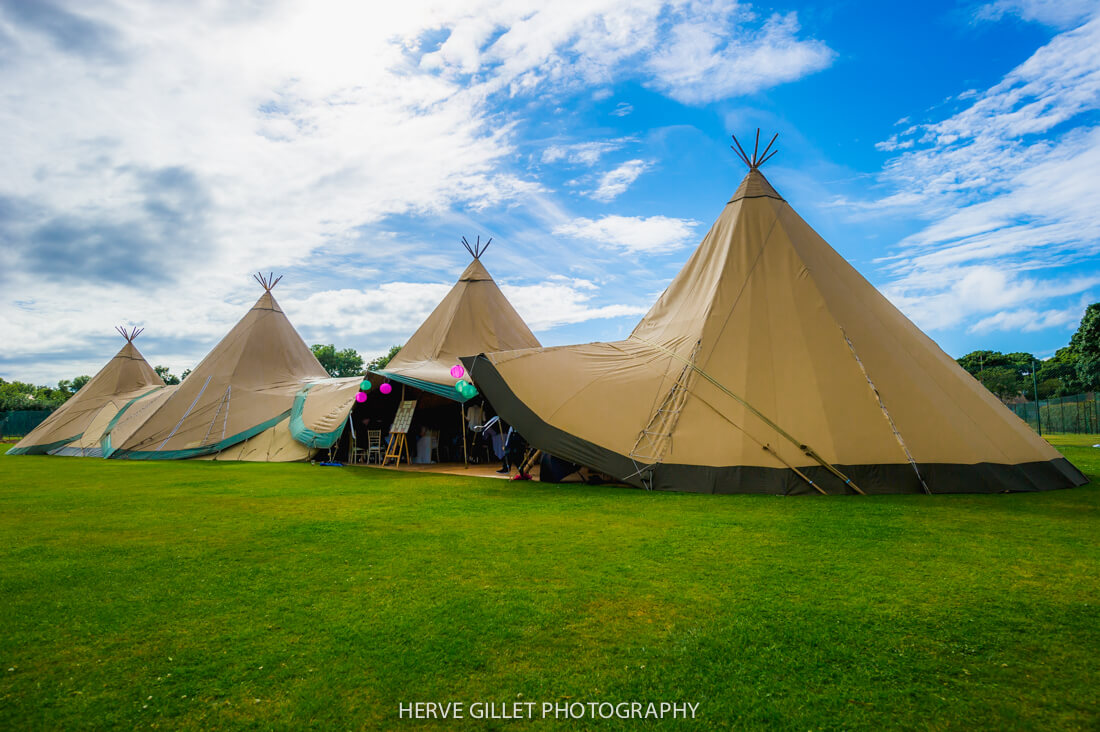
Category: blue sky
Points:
column 159, row 153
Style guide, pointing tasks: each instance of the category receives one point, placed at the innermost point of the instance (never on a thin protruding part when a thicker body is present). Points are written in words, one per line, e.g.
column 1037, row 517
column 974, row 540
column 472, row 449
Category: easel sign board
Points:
column 404, row 417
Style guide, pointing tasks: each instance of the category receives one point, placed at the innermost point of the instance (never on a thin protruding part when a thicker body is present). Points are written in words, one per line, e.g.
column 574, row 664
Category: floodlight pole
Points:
column 1038, row 411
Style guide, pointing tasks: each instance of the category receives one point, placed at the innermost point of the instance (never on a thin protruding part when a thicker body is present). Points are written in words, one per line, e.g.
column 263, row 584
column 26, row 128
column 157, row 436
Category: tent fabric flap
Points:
column 320, row 411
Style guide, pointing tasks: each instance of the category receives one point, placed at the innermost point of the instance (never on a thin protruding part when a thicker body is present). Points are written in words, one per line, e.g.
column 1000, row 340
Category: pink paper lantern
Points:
column 385, row 389
column 361, row 397
column 457, row 371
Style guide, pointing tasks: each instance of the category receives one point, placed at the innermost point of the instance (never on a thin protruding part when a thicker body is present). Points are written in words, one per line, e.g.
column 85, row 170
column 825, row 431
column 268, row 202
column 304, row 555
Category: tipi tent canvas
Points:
column 245, row 386
column 78, row 427
column 770, row 365
column 475, row 316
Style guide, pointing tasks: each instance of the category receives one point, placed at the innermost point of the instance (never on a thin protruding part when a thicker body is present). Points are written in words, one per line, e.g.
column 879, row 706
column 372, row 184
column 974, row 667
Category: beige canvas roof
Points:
column 244, row 386
column 475, row 316
column 770, row 365
column 79, row 423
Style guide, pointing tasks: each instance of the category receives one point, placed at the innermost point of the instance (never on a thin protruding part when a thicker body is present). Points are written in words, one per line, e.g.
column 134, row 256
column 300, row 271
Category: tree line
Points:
column 1073, row 369
column 20, row 396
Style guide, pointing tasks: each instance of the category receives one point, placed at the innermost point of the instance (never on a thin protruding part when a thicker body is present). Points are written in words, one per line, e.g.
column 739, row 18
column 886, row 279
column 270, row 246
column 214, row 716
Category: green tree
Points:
column 17, row 395
column 185, row 374
column 166, row 376
column 1003, row 381
column 379, row 362
column 1085, row 344
column 72, row 387
column 1060, row 371
column 1001, row 373
column 338, row 363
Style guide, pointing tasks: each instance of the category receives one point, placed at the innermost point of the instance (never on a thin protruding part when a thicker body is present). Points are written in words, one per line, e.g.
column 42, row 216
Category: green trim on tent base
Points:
column 881, row 478
column 42, row 449
column 198, row 451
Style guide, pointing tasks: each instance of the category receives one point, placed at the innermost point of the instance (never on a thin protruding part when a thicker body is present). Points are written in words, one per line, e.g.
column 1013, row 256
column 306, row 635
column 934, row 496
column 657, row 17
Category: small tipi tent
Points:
column 769, row 365
column 79, row 425
column 475, row 316
column 244, row 386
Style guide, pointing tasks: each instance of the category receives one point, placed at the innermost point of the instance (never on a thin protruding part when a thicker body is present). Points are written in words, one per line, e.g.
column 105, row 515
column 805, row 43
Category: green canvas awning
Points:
column 429, row 386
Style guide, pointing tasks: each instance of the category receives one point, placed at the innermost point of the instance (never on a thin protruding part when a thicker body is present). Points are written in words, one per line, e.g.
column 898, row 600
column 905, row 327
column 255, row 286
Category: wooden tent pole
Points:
column 529, row 462
column 462, row 426
column 351, row 442
column 806, row 449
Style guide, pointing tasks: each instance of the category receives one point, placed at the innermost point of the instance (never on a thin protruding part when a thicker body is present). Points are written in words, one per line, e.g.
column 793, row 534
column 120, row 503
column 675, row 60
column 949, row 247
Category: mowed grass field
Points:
column 220, row 596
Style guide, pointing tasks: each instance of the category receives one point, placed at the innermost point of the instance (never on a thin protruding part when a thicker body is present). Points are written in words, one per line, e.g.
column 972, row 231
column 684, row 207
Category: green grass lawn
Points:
column 209, row 595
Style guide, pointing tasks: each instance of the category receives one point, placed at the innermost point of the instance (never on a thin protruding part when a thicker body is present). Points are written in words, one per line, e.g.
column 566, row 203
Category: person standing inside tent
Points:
column 515, row 447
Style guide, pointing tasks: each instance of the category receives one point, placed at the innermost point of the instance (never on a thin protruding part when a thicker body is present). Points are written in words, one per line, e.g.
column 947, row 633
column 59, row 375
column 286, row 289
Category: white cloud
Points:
column 155, row 147
column 634, row 234
column 593, row 42
column 1029, row 321
column 1057, row 13
column 996, row 136
column 374, row 320
column 622, row 109
column 893, row 144
column 944, row 298
column 392, row 309
column 1009, row 185
column 582, row 153
column 560, row 302
column 614, row 182
column 705, row 59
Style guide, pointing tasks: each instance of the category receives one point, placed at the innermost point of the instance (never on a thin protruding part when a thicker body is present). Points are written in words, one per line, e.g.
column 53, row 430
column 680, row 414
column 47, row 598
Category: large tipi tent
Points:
column 245, row 386
column 769, row 365
column 475, row 316
column 82, row 423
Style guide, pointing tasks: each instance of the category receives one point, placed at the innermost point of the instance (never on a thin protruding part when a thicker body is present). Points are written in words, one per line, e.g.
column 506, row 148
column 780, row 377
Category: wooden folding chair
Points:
column 374, row 445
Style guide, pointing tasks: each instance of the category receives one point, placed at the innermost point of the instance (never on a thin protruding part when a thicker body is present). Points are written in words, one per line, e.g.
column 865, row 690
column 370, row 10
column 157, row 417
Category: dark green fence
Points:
column 1079, row 414
column 17, row 424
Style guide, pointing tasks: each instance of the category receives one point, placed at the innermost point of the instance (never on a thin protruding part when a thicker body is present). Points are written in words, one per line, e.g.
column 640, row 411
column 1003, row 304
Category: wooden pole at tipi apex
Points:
column 764, row 155
column 758, row 158
column 267, row 282
column 740, row 151
column 131, row 335
column 476, row 250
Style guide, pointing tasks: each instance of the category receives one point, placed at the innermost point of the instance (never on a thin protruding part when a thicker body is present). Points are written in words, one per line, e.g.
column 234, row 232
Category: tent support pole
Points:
column 801, row 446
column 529, row 462
column 799, row 473
column 462, row 426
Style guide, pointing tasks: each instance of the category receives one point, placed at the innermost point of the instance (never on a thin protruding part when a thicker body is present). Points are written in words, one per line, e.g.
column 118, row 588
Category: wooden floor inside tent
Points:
column 475, row 471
